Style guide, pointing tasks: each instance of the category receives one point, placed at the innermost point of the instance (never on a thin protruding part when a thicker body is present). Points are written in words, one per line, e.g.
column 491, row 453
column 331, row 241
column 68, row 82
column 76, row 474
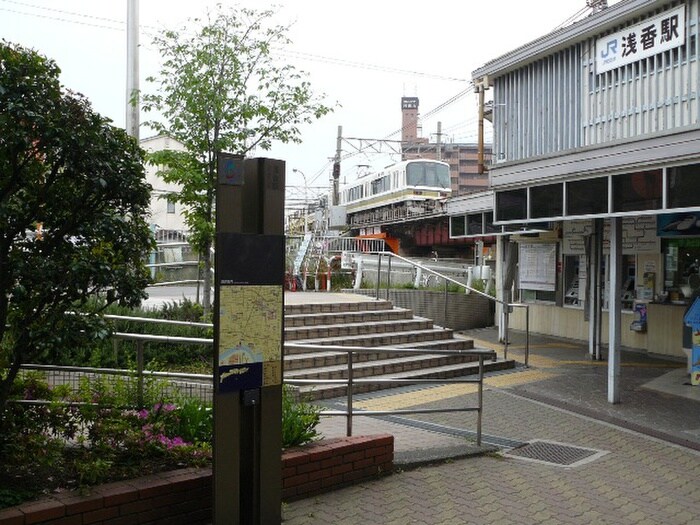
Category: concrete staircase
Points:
column 370, row 324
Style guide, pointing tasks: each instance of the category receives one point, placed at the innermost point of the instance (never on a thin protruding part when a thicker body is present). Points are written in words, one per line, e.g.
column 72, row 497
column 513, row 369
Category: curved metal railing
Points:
column 506, row 306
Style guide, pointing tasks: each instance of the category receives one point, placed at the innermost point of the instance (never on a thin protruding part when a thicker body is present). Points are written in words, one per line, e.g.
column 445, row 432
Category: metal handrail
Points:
column 141, row 339
column 350, row 381
column 507, row 307
column 157, row 321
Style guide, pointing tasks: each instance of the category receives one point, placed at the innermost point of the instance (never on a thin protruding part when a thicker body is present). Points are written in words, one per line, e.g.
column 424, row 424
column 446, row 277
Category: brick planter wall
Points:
column 334, row 463
column 185, row 496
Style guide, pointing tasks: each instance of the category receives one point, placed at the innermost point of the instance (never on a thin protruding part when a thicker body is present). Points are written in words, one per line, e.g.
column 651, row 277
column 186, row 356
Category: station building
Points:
column 596, row 161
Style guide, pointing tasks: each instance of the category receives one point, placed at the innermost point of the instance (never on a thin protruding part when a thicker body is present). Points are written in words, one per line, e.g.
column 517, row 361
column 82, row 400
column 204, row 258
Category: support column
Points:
column 594, row 299
column 614, row 308
column 500, row 295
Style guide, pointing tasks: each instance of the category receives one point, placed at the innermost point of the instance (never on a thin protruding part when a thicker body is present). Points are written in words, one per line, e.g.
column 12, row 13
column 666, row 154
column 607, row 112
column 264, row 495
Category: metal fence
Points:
column 201, row 385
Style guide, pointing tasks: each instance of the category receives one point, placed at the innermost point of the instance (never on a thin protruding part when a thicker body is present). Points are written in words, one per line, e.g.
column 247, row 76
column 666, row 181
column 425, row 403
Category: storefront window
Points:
column 574, row 280
column 629, row 280
column 681, row 269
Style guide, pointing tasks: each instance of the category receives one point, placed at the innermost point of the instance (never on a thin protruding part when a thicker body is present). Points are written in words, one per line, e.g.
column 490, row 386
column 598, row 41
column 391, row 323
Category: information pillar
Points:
column 248, row 340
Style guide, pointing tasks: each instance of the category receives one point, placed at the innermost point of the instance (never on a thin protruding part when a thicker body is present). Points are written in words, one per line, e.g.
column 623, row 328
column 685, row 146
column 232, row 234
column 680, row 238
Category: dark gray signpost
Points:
column 248, row 341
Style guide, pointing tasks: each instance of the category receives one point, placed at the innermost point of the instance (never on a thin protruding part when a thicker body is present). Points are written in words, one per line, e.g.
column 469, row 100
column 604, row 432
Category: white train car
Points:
column 398, row 191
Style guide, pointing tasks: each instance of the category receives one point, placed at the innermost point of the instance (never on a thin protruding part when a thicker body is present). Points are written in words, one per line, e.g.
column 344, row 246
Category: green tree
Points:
column 221, row 90
column 73, row 200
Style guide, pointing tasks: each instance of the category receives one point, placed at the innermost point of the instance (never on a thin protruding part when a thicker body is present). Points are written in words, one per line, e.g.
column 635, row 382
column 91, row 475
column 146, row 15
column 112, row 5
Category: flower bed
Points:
column 184, row 496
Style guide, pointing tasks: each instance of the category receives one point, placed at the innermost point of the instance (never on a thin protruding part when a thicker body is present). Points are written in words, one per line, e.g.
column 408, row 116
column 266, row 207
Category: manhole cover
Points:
column 554, row 453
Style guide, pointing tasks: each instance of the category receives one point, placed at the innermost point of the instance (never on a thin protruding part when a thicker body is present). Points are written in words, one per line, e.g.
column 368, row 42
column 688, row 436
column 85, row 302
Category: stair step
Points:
column 384, row 339
column 353, row 329
column 440, row 344
column 302, row 361
column 331, row 318
column 388, row 365
column 293, row 356
column 317, row 392
column 314, row 308
column 371, row 324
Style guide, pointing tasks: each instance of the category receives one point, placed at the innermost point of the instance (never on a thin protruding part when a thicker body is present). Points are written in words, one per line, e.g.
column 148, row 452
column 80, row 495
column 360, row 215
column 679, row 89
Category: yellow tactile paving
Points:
column 438, row 393
column 548, row 362
column 541, row 369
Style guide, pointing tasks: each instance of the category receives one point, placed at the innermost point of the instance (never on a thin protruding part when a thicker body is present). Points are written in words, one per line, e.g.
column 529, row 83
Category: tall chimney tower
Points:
column 409, row 120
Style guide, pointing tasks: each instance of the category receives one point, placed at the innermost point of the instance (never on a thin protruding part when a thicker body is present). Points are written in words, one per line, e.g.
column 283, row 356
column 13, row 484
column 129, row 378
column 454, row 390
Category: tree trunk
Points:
column 206, row 292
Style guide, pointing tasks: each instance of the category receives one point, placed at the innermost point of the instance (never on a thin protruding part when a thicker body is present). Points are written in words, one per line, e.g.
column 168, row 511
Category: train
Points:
column 408, row 189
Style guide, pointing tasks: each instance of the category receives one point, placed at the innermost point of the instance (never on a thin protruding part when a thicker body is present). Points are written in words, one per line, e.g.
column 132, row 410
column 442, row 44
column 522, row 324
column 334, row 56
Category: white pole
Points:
column 614, row 309
column 132, row 68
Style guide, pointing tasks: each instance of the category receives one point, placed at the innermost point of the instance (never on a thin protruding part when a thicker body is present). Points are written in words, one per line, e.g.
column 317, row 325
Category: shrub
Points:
column 75, row 440
column 341, row 280
column 114, row 353
column 299, row 419
column 94, row 436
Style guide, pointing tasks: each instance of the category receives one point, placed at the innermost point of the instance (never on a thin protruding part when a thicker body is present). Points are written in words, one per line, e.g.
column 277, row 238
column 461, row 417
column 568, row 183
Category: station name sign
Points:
column 654, row 35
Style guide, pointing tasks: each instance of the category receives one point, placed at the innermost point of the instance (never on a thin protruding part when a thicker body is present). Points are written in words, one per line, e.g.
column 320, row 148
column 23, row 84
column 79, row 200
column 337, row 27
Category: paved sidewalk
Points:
column 640, row 461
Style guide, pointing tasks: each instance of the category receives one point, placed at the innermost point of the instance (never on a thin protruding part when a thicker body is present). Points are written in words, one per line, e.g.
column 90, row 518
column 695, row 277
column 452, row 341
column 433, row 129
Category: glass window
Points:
column 585, row 197
column 547, row 201
column 511, row 205
column 681, row 268
column 171, row 206
column 457, row 226
column 353, row 194
column 488, row 223
column 380, row 185
column 637, row 191
column 537, row 296
column 574, row 280
column 537, row 271
column 425, row 173
column 629, row 279
column 682, row 184
column 475, row 224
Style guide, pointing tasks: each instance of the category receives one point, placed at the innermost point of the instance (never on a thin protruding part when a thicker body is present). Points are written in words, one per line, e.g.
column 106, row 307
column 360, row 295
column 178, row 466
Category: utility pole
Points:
column 132, row 68
column 480, row 86
column 336, row 167
column 439, row 141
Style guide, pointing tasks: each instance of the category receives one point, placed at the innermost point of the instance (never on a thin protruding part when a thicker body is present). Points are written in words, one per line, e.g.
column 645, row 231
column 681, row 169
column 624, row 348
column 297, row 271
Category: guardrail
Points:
column 507, row 307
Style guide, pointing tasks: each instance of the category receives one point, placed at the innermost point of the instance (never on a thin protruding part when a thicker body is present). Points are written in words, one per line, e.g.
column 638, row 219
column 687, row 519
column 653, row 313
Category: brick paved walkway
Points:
column 640, row 479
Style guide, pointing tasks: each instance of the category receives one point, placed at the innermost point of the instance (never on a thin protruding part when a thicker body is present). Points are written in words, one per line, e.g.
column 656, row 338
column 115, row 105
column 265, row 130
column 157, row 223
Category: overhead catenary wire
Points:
column 573, row 18
column 120, row 25
column 148, row 30
column 364, row 65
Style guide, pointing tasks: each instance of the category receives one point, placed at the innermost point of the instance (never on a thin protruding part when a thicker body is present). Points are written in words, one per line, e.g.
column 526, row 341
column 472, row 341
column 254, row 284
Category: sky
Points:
column 362, row 56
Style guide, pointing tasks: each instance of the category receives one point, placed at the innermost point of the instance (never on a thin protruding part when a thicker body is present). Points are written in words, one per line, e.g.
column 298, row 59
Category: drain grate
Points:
column 554, row 453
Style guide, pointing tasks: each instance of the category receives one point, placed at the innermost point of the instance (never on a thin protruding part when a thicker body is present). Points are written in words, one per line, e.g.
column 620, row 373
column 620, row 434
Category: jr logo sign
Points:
column 654, row 35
